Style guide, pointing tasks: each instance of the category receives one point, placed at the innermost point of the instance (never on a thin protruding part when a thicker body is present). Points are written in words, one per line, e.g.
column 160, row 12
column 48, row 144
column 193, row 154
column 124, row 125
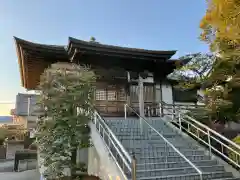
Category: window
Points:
column 100, row 94
column 112, row 95
column 122, row 95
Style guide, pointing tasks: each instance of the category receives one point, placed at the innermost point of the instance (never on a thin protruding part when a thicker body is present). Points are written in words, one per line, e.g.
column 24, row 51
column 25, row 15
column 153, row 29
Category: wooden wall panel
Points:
column 110, row 99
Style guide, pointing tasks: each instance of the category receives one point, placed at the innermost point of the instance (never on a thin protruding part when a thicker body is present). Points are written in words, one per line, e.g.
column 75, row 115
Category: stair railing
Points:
column 126, row 106
column 228, row 149
column 123, row 160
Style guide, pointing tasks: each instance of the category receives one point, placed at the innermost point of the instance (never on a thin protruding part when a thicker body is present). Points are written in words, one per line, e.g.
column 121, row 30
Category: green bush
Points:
column 3, row 135
column 231, row 154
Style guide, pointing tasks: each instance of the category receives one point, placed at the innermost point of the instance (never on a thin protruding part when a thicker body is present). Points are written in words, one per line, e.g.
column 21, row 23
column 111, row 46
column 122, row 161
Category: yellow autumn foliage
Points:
column 221, row 24
column 221, row 30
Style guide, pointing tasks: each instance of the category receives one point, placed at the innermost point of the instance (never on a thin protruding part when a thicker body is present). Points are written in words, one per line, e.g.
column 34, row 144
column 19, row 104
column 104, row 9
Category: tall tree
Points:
column 221, row 26
column 221, row 31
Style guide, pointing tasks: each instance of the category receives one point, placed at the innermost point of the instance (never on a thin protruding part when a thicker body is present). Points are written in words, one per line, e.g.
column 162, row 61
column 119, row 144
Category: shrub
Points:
column 3, row 135
column 66, row 99
column 233, row 155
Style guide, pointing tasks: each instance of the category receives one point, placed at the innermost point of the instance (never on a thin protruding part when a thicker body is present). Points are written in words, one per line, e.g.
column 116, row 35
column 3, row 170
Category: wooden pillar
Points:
column 128, row 88
column 141, row 101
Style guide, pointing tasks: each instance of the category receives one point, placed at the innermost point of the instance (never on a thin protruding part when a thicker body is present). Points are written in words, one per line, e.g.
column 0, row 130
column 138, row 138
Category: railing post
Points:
column 173, row 111
column 148, row 111
column 125, row 111
column 141, row 125
column 95, row 118
column 209, row 142
column 161, row 109
column 180, row 121
column 134, row 168
column 29, row 106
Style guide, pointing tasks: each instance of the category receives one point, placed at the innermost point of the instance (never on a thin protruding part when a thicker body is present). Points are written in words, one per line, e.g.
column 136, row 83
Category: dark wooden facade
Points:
column 113, row 66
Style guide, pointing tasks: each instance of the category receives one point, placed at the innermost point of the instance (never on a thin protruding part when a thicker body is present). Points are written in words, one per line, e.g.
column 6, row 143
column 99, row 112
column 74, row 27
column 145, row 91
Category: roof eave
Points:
column 73, row 43
column 20, row 60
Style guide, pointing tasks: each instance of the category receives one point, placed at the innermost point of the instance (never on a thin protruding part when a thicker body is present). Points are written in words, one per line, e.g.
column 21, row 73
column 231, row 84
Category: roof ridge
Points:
column 122, row 47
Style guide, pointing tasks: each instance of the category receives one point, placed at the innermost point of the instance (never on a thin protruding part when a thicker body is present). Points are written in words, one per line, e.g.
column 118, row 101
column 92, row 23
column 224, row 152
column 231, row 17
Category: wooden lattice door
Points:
column 110, row 99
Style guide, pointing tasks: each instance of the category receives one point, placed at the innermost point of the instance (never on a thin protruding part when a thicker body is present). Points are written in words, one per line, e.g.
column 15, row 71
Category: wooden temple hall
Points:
column 125, row 75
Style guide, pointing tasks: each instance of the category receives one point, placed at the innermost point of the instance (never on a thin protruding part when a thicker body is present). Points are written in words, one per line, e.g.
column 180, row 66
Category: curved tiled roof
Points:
column 32, row 54
column 124, row 51
column 33, row 58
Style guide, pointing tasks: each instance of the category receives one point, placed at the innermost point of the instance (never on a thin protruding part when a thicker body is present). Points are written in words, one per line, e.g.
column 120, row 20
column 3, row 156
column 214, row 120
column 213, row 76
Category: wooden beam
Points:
column 23, row 65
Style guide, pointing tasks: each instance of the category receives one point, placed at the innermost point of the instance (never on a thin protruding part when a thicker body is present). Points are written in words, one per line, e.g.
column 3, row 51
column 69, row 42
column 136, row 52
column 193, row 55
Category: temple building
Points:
column 124, row 75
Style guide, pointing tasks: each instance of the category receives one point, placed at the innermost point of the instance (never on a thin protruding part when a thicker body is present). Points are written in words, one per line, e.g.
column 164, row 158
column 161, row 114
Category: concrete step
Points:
column 137, row 146
column 125, row 127
column 154, row 137
column 175, row 164
column 138, row 132
column 138, row 126
column 169, row 153
column 176, row 171
column 156, row 142
column 159, row 149
column 163, row 146
column 156, row 161
column 193, row 176
column 228, row 179
column 172, row 141
column 172, row 158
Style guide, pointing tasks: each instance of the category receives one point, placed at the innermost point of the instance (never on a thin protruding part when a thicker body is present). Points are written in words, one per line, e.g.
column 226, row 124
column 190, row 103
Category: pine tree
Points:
column 194, row 72
column 66, row 98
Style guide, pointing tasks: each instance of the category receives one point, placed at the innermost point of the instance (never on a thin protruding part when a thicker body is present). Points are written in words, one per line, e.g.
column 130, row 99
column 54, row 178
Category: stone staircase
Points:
column 157, row 160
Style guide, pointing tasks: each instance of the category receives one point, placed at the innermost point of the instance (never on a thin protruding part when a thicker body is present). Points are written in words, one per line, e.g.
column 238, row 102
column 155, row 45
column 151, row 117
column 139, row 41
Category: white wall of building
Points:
column 167, row 93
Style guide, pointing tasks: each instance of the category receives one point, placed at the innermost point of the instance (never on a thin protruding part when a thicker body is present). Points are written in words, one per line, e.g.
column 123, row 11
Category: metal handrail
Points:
column 218, row 137
column 115, row 138
column 166, row 141
column 123, row 154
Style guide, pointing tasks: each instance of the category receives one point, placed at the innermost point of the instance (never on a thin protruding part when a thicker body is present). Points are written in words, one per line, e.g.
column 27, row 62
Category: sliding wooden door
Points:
column 110, row 99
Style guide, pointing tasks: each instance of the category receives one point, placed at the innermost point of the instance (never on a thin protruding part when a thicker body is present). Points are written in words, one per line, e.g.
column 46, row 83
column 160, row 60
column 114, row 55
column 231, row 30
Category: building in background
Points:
column 24, row 112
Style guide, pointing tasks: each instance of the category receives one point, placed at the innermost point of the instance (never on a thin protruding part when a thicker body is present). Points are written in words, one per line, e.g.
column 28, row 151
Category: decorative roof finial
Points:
column 93, row 40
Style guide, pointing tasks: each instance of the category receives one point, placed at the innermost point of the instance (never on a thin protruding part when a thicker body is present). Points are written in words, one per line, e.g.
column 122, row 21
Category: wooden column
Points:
column 141, row 101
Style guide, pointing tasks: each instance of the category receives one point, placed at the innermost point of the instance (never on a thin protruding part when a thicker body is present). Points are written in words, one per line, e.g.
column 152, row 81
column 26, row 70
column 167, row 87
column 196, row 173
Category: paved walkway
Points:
column 6, row 172
column 6, row 166
column 26, row 175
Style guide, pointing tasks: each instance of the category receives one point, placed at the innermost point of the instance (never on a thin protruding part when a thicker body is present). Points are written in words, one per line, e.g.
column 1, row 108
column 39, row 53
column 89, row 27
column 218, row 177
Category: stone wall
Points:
column 12, row 147
column 2, row 152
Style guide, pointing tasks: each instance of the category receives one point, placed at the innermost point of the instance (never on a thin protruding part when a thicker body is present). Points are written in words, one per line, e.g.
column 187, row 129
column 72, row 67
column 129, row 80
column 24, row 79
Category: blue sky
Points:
column 152, row 24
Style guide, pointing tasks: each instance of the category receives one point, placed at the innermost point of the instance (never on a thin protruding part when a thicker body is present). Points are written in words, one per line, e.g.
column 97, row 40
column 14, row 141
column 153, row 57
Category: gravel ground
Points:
column 26, row 175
